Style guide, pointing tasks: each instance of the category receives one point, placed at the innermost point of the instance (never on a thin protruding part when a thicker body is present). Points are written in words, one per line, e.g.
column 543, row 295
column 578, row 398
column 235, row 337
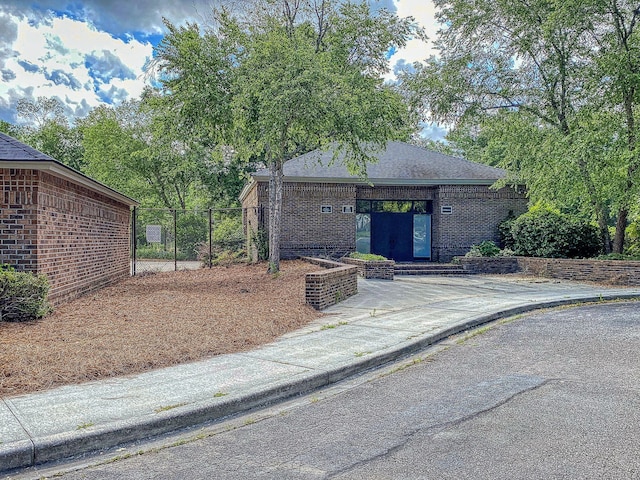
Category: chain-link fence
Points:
column 168, row 239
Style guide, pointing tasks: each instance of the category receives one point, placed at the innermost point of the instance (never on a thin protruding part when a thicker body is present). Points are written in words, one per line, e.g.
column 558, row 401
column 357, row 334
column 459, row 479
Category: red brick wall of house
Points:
column 476, row 213
column 305, row 229
column 19, row 226
column 77, row 237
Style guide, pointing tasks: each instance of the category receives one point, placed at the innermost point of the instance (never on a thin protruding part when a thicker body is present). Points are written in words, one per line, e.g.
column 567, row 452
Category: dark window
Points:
column 363, row 206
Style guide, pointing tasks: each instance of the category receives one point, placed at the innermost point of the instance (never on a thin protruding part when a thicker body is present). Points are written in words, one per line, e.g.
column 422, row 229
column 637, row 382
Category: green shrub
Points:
column 260, row 239
column 228, row 234
column 367, row 256
column 547, row 233
column 632, row 239
column 157, row 252
column 23, row 296
column 191, row 230
column 618, row 256
column 504, row 230
column 484, row 249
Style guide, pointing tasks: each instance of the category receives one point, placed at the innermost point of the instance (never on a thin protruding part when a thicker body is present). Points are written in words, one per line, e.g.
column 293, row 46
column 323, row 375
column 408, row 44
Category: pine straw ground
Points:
column 154, row 321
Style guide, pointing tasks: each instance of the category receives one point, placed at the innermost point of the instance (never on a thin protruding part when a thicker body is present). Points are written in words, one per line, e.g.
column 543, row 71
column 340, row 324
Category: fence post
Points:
column 210, row 238
column 175, row 240
column 134, row 242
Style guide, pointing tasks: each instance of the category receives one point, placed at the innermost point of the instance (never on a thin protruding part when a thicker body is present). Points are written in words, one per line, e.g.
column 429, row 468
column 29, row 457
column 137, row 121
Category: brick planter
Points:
column 381, row 269
column 331, row 285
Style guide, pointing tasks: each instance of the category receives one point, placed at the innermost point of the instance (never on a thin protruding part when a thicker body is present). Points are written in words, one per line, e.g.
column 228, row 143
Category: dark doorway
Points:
column 392, row 235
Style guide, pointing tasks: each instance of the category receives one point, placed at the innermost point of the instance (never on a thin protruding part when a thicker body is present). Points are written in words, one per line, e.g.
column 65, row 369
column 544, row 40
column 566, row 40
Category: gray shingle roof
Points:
column 12, row 149
column 15, row 154
column 399, row 163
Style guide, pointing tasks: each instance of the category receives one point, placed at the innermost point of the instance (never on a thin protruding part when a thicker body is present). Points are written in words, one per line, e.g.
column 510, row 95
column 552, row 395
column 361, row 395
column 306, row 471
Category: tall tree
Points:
column 304, row 74
column 547, row 66
column 48, row 130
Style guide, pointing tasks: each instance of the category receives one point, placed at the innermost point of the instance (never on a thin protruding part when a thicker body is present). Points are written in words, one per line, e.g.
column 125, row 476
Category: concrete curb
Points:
column 40, row 450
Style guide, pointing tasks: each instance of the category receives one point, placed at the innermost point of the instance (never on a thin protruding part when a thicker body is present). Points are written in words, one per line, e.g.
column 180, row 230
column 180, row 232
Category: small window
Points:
column 326, row 209
column 446, row 209
column 347, row 209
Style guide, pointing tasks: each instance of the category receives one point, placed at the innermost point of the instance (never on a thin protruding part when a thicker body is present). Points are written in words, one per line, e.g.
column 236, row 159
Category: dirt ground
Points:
column 154, row 321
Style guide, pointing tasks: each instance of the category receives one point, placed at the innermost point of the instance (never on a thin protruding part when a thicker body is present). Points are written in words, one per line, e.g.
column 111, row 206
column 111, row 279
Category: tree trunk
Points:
column 621, row 225
column 275, row 214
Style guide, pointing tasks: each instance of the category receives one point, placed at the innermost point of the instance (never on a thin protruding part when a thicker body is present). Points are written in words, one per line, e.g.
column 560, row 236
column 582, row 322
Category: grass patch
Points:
column 82, row 426
column 169, row 407
column 367, row 257
column 474, row 333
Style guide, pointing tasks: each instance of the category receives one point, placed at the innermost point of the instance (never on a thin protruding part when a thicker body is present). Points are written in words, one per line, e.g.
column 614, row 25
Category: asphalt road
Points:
column 553, row 395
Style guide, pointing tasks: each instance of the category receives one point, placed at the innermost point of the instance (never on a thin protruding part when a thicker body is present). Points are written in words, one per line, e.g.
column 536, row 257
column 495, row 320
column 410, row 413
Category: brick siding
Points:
column 476, row 213
column 77, row 237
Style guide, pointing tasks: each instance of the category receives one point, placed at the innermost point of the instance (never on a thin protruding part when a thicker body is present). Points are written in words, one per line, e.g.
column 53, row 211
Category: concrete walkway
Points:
column 386, row 320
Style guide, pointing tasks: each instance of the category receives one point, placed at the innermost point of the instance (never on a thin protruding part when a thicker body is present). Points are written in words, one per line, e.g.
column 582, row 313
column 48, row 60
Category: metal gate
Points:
column 172, row 239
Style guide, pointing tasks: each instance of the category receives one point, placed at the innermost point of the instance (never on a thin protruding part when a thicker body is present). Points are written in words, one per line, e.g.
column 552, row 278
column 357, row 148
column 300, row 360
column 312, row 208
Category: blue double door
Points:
column 403, row 237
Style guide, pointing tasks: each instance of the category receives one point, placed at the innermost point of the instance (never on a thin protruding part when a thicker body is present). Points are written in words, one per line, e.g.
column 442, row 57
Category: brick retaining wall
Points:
column 382, row 269
column 613, row 272
column 329, row 286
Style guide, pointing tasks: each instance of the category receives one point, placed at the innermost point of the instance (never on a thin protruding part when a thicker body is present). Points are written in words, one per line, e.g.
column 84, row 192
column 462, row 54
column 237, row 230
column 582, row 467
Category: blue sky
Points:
column 92, row 52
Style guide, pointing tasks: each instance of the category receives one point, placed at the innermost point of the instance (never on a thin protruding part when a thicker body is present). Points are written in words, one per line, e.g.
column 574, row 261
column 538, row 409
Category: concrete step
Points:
column 429, row 269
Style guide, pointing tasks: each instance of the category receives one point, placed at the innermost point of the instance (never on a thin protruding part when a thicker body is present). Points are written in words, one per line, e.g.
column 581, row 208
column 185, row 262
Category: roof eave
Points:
column 383, row 181
column 246, row 189
column 62, row 171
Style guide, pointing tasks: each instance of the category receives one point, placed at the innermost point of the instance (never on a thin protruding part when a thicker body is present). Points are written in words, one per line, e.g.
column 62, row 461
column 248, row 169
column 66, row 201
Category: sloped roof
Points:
column 399, row 164
column 15, row 154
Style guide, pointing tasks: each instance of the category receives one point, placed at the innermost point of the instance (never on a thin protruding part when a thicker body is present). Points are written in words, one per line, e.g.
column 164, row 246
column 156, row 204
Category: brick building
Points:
column 58, row 222
column 415, row 205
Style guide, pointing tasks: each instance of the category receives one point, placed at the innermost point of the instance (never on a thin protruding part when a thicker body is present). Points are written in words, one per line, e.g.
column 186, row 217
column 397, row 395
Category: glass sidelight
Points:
column 422, row 236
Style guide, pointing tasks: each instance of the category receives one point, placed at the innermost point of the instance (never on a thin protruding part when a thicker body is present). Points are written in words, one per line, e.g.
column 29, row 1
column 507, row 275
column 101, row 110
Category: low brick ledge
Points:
column 327, row 287
column 381, row 269
column 612, row 272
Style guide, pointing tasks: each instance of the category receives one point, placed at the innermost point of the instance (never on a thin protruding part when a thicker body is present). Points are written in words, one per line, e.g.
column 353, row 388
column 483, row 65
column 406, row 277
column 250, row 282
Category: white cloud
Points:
column 424, row 13
column 74, row 62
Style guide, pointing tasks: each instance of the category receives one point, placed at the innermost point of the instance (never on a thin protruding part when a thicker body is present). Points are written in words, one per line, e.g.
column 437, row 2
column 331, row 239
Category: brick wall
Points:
column 252, row 220
column 476, row 213
column 19, row 232
column 305, row 229
column 614, row 272
column 610, row 272
column 77, row 237
column 380, row 269
column 330, row 286
column 489, row 265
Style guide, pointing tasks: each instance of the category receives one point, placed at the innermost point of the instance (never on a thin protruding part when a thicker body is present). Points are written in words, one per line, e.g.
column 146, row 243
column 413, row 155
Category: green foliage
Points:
column 484, row 249
column 158, row 252
column 191, row 230
column 366, row 256
column 618, row 256
column 260, row 239
column 562, row 118
column 546, row 233
column 23, row 296
column 632, row 246
column 228, row 233
column 504, row 230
